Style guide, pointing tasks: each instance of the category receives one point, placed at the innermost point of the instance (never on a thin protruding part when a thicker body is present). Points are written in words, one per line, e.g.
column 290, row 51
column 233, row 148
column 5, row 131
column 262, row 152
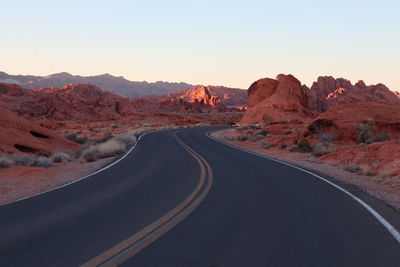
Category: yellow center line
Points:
column 134, row 244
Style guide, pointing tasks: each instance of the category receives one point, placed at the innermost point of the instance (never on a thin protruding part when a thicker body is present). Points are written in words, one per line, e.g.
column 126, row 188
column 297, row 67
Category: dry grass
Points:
column 112, row 146
column 323, row 149
column 352, row 167
column 266, row 145
column 303, row 147
column 26, row 160
column 5, row 162
column 60, row 156
column 367, row 170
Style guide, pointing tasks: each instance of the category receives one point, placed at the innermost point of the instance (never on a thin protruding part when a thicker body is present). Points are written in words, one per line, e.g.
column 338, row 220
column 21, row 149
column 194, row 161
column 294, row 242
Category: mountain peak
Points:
column 60, row 75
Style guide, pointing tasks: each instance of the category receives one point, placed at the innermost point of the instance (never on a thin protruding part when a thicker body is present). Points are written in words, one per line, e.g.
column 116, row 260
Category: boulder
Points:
column 282, row 99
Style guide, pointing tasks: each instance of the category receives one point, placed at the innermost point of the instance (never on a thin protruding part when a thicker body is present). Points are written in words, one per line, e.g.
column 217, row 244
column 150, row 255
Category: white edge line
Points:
column 379, row 217
column 80, row 179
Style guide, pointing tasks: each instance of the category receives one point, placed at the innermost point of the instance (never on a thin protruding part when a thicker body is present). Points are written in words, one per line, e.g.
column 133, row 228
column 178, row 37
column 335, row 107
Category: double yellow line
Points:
column 134, row 244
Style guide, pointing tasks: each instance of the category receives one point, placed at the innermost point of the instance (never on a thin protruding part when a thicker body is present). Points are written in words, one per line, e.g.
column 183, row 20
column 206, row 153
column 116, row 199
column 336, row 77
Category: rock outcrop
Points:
column 86, row 102
column 203, row 96
column 284, row 98
column 77, row 102
column 329, row 92
column 198, row 99
column 359, row 122
column 281, row 99
column 211, row 95
column 18, row 135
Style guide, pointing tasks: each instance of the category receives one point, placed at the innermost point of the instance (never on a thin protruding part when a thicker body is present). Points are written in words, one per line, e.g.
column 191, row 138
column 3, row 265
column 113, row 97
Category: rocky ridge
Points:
column 284, row 98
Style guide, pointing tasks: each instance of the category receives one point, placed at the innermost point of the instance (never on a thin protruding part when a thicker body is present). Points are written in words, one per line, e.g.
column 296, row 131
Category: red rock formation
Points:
column 197, row 99
column 347, row 121
column 203, row 96
column 230, row 97
column 78, row 102
column 261, row 90
column 329, row 92
column 113, row 84
column 19, row 135
column 285, row 98
column 281, row 99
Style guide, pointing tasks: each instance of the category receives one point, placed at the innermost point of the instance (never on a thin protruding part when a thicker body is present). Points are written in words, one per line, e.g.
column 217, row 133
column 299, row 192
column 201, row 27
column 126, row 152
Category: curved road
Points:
column 182, row 199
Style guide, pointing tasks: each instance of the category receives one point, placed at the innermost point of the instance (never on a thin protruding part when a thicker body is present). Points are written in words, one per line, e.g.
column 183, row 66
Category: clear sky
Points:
column 217, row 42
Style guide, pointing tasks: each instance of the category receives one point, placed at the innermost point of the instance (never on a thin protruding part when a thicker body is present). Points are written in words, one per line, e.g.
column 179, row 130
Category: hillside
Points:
column 113, row 84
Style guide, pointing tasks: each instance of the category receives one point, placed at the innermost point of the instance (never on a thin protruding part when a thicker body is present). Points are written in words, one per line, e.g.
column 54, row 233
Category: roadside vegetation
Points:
column 289, row 136
column 110, row 145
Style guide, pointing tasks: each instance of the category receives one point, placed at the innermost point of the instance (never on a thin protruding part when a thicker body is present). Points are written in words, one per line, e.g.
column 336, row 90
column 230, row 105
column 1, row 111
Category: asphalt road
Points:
column 191, row 201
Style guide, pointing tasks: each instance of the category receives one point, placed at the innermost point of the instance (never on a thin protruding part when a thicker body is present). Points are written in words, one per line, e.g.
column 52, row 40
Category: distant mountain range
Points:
column 113, row 84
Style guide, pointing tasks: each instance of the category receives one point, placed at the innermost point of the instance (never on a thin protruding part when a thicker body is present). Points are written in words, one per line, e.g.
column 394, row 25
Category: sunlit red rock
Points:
column 18, row 135
column 197, row 99
column 261, row 90
column 281, row 99
column 329, row 92
column 78, row 102
column 347, row 120
column 211, row 95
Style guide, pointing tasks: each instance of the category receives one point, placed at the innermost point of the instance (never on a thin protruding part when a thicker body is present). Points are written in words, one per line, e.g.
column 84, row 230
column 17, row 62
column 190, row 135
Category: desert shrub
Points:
column 364, row 131
column 112, row 147
column 367, row 170
column 31, row 160
column 323, row 149
column 5, row 162
column 105, row 138
column 42, row 154
column 266, row 145
column 250, row 132
column 294, row 120
column 89, row 154
column 60, row 156
column 128, row 138
column 303, row 146
column 80, row 140
column 282, row 122
column 352, row 167
column 231, row 138
column 242, row 137
column 320, row 125
column 107, row 149
column 327, row 138
column 266, row 119
column 379, row 138
column 283, row 146
column 225, row 137
column 255, row 138
column 287, row 132
column 22, row 159
column 43, row 162
column 261, row 132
